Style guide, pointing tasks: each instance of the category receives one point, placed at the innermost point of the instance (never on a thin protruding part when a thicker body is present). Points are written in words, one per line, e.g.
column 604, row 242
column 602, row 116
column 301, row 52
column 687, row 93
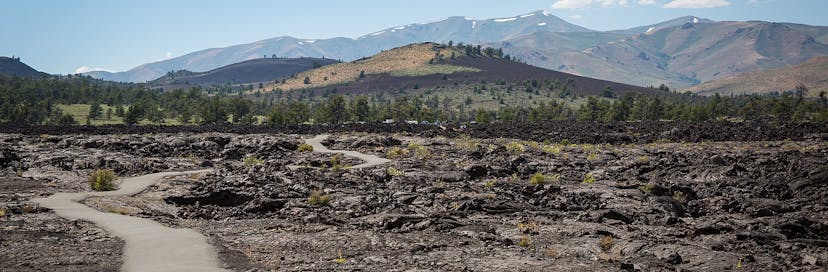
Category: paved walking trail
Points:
column 150, row 246
column 370, row 160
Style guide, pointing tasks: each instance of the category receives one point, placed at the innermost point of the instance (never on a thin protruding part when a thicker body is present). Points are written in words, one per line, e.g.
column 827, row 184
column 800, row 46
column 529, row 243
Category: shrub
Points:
column 489, row 184
column 467, row 143
column 642, row 159
column 592, row 157
column 679, row 196
column 552, row 149
column 524, row 241
column 528, row 227
column 515, row 148
column 397, row 152
column 336, row 162
column 421, row 152
column 589, row 178
column 606, row 243
column 102, row 180
column 541, row 179
column 394, row 172
column 648, row 188
column 251, row 161
column 304, row 148
column 2, row 212
column 537, row 179
column 340, row 260
column 565, row 142
column 316, row 198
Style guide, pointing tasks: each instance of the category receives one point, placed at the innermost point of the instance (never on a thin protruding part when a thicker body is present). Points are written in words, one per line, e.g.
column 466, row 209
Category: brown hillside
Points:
column 407, row 67
column 411, row 60
column 813, row 73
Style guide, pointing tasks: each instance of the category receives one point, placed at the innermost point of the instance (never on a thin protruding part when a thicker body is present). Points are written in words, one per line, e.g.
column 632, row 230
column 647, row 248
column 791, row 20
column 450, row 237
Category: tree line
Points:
column 32, row 101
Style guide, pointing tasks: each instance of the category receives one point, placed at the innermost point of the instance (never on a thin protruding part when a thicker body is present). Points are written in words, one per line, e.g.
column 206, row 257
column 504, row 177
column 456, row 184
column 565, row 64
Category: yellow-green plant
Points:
column 102, row 180
column 679, row 196
column 515, row 148
column 251, row 161
column 524, row 241
column 421, row 152
column 304, row 148
column 467, row 143
column 490, row 183
column 2, row 212
column 552, row 149
column 589, row 178
column 648, row 188
column 642, row 159
column 396, row 152
column 317, row 198
column 340, row 260
column 394, row 172
column 592, row 157
column 537, row 179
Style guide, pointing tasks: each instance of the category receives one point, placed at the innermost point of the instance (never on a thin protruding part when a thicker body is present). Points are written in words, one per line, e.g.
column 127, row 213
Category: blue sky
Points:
column 61, row 36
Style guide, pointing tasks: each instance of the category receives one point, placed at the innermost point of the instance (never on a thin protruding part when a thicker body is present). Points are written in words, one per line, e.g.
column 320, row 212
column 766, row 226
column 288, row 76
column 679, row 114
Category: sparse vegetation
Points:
column 421, row 152
column 467, row 143
column 515, row 148
column 340, row 259
column 592, row 157
column 679, row 196
column 394, row 172
column 252, row 161
column 524, row 241
column 102, row 180
column 304, row 148
column 647, row 188
column 528, row 227
column 589, row 178
column 537, row 179
column 396, row 152
column 606, row 243
column 318, row 198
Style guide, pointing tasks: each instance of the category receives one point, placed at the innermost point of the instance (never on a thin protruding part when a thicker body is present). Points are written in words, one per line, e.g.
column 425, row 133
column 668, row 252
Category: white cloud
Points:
column 576, row 4
column 571, row 4
column 85, row 69
column 646, row 2
column 697, row 4
column 167, row 56
column 576, row 17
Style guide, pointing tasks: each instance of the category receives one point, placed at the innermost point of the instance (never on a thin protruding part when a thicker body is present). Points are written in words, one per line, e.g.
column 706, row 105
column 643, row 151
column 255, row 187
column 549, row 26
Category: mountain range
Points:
column 257, row 70
column 681, row 53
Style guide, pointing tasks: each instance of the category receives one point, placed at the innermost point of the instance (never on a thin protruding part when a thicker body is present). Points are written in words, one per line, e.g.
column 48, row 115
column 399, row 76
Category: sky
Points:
column 61, row 37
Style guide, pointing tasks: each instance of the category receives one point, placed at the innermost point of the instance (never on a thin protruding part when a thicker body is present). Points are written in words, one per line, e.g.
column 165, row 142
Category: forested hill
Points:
column 14, row 67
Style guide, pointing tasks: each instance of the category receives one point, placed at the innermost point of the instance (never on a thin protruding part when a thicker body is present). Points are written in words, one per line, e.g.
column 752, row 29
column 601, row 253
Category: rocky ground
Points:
column 448, row 204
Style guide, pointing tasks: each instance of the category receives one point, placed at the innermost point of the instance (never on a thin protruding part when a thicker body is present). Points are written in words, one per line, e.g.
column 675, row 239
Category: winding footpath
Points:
column 150, row 246
column 370, row 160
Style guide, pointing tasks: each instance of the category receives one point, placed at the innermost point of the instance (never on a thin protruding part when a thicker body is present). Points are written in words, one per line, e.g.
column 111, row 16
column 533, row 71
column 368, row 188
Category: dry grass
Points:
column 606, row 243
column 317, row 198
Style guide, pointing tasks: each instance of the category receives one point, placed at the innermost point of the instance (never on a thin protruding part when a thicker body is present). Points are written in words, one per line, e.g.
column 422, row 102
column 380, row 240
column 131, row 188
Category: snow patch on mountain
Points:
column 505, row 20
